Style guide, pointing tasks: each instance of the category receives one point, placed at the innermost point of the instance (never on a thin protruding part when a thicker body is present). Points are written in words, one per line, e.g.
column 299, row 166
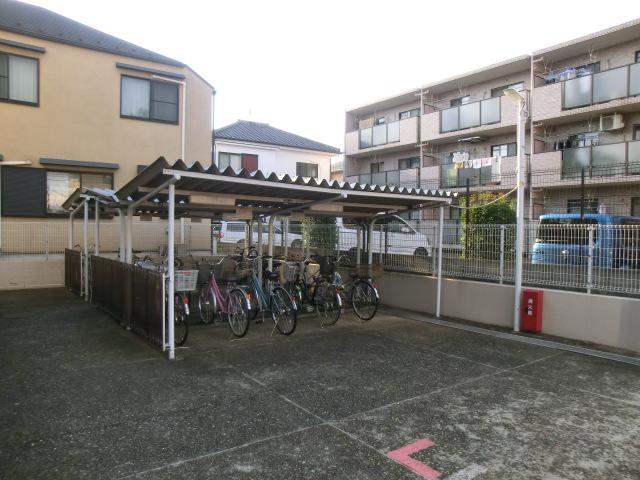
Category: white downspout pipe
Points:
column 122, row 213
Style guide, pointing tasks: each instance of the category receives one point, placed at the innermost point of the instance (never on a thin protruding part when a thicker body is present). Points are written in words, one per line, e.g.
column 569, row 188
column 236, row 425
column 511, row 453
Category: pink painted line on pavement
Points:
column 402, row 456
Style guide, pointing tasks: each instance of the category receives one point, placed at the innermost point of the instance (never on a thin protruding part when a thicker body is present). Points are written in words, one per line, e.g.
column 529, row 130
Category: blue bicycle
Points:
column 271, row 297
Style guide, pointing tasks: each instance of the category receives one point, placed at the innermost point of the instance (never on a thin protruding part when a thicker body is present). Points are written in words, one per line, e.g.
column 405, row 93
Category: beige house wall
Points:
column 78, row 117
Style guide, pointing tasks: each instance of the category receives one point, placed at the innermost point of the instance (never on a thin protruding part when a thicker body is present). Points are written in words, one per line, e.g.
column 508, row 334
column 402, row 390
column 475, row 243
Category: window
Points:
column 62, row 184
column 638, row 56
column 149, row 100
column 460, row 101
column 380, row 121
column 498, row 92
column 233, row 160
column 504, row 150
column 377, row 167
column 18, row 79
column 635, row 206
column 414, row 112
column 636, row 132
column 307, row 169
column 235, row 227
column 406, row 163
column 590, row 205
column 566, row 231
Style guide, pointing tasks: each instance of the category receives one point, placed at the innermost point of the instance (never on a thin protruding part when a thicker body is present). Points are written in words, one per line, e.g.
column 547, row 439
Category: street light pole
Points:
column 519, row 100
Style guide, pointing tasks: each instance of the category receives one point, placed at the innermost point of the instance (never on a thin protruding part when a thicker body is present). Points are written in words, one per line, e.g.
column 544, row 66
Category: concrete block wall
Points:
column 604, row 320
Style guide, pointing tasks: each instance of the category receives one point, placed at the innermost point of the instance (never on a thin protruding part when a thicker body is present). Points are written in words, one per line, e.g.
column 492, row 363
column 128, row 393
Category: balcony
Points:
column 617, row 89
column 386, row 137
column 610, row 163
column 491, row 177
column 401, row 178
column 491, row 116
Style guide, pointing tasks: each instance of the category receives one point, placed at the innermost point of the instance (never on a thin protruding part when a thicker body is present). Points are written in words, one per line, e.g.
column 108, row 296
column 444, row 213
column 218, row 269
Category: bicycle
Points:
column 232, row 301
column 316, row 291
column 360, row 291
column 274, row 298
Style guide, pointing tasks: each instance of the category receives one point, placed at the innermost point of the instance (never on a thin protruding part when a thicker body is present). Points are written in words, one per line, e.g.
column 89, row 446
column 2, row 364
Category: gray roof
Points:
column 19, row 17
column 254, row 132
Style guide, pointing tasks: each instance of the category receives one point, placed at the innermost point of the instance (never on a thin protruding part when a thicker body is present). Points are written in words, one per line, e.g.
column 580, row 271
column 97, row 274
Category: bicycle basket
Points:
column 186, row 280
column 288, row 271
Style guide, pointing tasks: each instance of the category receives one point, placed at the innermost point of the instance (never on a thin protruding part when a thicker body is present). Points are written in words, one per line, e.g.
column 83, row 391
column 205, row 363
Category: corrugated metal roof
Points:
column 269, row 193
column 255, row 132
column 26, row 19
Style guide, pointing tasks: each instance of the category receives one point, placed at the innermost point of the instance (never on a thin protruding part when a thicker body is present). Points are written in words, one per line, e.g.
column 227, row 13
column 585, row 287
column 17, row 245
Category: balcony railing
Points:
column 406, row 178
column 601, row 87
column 380, row 134
column 613, row 159
column 452, row 177
column 469, row 115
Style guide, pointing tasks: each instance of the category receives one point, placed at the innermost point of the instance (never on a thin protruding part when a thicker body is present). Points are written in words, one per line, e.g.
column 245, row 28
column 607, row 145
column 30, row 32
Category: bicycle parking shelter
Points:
column 176, row 190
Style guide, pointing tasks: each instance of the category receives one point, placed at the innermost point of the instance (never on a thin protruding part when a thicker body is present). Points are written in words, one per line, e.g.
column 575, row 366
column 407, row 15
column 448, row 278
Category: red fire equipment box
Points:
column 531, row 311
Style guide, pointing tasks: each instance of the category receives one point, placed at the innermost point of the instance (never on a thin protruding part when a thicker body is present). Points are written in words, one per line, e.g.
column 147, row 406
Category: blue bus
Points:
column 563, row 238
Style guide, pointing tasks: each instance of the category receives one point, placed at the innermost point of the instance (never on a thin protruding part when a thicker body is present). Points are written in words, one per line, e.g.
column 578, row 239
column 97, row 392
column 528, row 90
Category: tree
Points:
column 321, row 233
column 480, row 238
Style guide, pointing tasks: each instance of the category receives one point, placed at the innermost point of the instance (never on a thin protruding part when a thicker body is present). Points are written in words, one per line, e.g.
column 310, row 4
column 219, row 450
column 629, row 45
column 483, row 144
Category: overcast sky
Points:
column 298, row 65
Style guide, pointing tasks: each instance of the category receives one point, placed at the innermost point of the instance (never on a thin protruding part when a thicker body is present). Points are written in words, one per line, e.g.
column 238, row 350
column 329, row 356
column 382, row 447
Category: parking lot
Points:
column 82, row 398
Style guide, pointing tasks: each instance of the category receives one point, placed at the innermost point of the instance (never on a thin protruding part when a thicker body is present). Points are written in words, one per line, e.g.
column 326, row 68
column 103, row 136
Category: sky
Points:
column 299, row 65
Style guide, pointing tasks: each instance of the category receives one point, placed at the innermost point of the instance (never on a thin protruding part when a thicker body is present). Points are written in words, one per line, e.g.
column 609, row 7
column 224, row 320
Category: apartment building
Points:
column 79, row 107
column 259, row 146
column 459, row 134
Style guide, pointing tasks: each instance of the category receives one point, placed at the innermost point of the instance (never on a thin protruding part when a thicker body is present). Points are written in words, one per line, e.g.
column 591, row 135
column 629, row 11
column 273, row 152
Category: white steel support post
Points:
column 370, row 244
column 501, row 272
column 285, row 234
column 358, row 243
column 270, row 242
column 590, row 261
column 71, row 229
column 182, row 231
column 123, row 234
column 129, row 236
column 96, row 229
column 85, row 249
column 260, row 250
column 171, row 270
column 440, row 242
column 381, row 242
column 518, row 99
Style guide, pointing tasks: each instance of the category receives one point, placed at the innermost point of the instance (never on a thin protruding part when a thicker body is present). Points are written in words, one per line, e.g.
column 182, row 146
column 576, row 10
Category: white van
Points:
column 402, row 238
column 235, row 231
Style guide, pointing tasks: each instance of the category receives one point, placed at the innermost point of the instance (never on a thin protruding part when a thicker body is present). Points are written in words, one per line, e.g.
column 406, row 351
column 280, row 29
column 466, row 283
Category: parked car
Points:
column 563, row 238
column 402, row 238
column 234, row 232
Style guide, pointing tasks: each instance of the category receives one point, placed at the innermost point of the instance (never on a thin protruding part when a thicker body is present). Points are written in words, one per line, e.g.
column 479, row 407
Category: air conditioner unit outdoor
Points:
column 611, row 122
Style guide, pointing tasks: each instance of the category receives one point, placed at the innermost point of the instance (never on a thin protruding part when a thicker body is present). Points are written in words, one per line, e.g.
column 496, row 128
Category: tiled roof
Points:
column 22, row 18
column 254, row 132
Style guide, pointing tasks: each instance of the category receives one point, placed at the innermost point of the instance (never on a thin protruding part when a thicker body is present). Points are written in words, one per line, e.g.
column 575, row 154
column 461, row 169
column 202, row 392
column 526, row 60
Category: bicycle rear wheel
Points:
column 206, row 304
column 364, row 299
column 238, row 313
column 327, row 303
column 283, row 311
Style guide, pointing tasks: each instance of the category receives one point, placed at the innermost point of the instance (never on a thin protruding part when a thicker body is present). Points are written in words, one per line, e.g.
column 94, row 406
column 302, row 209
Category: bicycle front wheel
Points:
column 238, row 313
column 283, row 311
column 328, row 304
column 364, row 299
column 180, row 324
